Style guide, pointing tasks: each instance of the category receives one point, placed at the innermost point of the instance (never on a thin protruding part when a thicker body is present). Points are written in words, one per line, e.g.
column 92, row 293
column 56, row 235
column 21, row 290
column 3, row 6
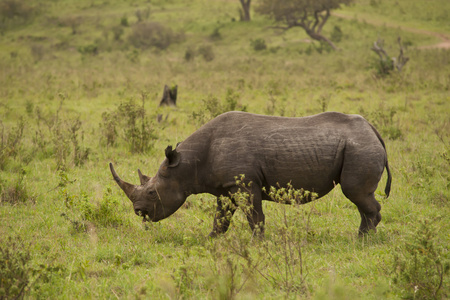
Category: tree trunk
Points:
column 318, row 37
column 169, row 97
column 245, row 13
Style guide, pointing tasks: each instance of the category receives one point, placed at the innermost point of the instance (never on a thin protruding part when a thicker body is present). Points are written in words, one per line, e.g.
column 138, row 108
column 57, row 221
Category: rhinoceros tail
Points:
column 387, row 189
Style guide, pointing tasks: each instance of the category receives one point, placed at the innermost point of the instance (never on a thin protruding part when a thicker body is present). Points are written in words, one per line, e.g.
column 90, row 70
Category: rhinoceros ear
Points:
column 172, row 156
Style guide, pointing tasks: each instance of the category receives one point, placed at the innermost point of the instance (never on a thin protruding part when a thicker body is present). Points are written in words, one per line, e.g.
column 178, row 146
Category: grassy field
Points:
column 80, row 87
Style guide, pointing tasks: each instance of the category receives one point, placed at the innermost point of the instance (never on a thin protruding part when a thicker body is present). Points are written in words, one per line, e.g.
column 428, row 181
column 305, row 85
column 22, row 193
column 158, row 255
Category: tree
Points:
column 245, row 12
column 311, row 15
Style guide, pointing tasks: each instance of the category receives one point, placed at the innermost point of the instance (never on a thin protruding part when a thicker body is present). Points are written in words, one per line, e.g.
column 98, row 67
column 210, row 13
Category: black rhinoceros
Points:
column 313, row 153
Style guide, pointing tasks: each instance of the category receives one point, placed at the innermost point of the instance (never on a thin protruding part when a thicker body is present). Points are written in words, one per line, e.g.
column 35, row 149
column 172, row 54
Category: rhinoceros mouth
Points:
column 145, row 216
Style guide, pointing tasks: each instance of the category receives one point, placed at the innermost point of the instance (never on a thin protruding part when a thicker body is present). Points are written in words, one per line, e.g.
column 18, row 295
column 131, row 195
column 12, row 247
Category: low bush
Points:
column 16, row 192
column 131, row 123
column 10, row 142
column 153, row 35
column 421, row 265
column 258, row 44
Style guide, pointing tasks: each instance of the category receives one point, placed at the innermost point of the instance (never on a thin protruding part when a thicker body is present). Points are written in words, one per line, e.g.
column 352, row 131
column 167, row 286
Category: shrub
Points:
column 216, row 35
column 117, row 32
column 214, row 107
column 383, row 120
column 91, row 49
column 10, row 142
column 15, row 271
column 189, row 54
column 422, row 264
column 152, row 34
column 336, row 34
column 207, row 52
column 124, row 21
column 142, row 15
column 258, row 44
column 136, row 128
column 15, row 12
column 16, row 192
column 81, row 211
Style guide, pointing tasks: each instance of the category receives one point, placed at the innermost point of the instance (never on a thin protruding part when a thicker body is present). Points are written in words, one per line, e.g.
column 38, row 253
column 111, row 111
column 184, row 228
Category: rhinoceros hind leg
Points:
column 369, row 209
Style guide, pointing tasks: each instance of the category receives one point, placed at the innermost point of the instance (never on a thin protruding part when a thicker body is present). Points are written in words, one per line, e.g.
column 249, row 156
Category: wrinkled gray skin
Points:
column 314, row 153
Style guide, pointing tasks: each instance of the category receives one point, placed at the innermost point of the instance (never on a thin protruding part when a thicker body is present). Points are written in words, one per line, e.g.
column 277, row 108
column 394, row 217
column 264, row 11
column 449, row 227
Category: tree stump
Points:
column 169, row 97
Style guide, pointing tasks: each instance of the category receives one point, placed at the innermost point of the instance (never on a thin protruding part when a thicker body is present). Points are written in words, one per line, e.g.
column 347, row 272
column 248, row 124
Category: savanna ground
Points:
column 80, row 84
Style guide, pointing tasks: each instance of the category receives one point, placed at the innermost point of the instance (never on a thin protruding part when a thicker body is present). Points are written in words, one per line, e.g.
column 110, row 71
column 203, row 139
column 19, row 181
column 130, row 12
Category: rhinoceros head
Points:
column 157, row 197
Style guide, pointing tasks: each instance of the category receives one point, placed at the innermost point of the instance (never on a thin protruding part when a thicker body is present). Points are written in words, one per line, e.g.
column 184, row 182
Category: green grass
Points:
column 100, row 249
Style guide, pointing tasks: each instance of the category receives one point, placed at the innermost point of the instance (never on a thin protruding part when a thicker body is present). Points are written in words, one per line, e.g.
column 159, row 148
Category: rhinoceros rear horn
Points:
column 143, row 178
column 125, row 186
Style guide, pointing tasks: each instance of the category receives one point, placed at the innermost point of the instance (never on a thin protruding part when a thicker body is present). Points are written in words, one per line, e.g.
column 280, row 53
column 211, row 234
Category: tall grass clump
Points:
column 153, row 35
column 15, row 271
column 212, row 107
column 15, row 192
column 10, row 142
column 421, row 265
column 83, row 212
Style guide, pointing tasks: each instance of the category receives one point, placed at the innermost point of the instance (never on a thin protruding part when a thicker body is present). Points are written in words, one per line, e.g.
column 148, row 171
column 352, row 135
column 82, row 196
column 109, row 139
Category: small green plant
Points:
column 124, row 21
column 15, row 271
column 108, row 128
column 91, row 49
column 384, row 121
column 81, row 211
column 16, row 192
column 336, row 34
column 190, row 54
column 10, row 142
column 258, row 44
column 422, row 264
column 206, row 52
column 214, row 107
column 143, row 14
column 216, row 35
column 153, row 34
column 117, row 31
column 136, row 128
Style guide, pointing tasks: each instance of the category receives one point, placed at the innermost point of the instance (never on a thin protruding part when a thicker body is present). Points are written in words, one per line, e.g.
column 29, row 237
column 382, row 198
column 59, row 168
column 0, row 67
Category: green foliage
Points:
column 336, row 34
column 212, row 107
column 16, row 192
column 19, row 276
column 216, row 35
column 206, row 52
column 15, row 271
column 421, row 265
column 82, row 212
column 153, row 34
column 91, row 49
column 131, row 123
column 309, row 15
column 11, row 142
column 16, row 12
column 70, row 107
column 384, row 121
column 258, row 44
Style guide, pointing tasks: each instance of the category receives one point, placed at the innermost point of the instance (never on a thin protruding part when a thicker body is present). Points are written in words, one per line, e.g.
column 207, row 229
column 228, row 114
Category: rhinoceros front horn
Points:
column 125, row 186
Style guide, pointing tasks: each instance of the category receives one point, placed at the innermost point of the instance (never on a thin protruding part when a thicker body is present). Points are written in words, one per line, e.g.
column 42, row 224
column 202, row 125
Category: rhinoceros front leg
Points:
column 255, row 215
column 222, row 218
